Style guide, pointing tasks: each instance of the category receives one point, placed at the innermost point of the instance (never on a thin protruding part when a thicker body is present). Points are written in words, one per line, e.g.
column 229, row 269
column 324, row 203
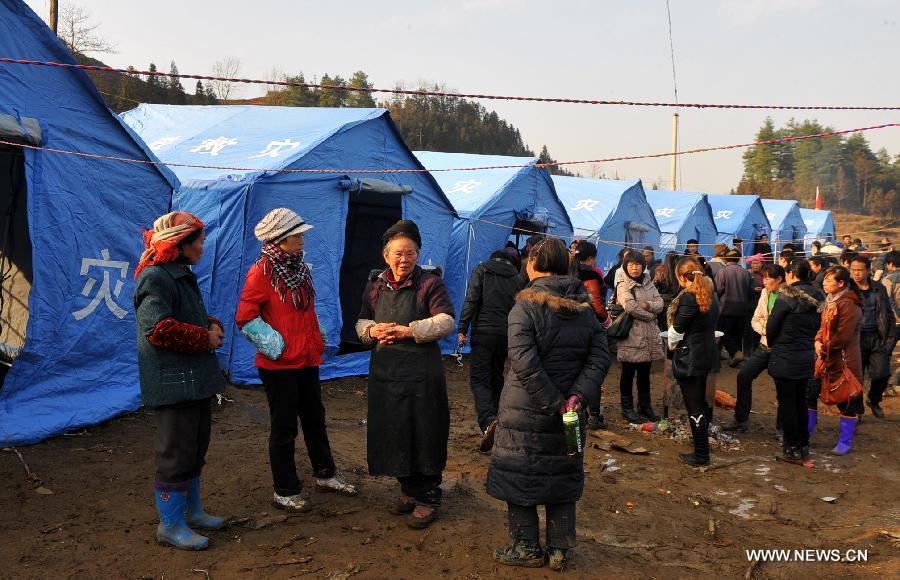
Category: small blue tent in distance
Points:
column 819, row 226
column 73, row 236
column 682, row 216
column 348, row 210
column 492, row 206
column 786, row 222
column 739, row 216
column 609, row 212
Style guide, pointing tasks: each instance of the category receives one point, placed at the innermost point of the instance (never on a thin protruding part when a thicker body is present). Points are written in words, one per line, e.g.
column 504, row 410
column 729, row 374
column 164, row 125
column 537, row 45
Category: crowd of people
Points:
column 543, row 325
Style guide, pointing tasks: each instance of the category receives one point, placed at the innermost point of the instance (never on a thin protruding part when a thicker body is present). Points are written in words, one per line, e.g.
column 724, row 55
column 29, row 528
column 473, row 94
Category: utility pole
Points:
column 674, row 150
column 54, row 15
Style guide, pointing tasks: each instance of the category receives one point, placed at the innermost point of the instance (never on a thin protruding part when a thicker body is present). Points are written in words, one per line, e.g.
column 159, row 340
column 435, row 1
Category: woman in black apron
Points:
column 405, row 311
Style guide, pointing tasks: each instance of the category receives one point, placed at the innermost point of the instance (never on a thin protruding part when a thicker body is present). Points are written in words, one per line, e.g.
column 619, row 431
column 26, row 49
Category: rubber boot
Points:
column 194, row 515
column 645, row 408
column 812, row 418
column 628, row 410
column 172, row 527
column 700, row 433
column 845, row 436
column 521, row 553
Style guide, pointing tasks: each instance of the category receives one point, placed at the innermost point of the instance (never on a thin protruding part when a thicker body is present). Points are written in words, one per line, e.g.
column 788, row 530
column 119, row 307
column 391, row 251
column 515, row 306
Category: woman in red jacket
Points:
column 279, row 289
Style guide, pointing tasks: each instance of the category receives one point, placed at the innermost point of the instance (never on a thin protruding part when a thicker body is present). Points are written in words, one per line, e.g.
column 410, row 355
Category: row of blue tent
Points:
column 346, row 171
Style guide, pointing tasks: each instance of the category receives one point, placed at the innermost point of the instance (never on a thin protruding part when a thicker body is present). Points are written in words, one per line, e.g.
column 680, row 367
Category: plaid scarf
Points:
column 288, row 274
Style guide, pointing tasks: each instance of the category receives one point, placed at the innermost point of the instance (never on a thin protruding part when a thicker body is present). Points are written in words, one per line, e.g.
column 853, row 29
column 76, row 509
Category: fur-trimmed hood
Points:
column 557, row 293
column 805, row 296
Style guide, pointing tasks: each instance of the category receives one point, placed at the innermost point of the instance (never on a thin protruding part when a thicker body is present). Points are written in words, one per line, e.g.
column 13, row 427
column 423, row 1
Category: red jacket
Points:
column 303, row 345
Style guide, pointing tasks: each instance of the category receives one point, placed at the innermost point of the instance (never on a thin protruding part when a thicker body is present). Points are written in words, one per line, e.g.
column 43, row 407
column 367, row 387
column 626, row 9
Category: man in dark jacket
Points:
column 489, row 298
column 877, row 333
column 817, row 267
column 734, row 287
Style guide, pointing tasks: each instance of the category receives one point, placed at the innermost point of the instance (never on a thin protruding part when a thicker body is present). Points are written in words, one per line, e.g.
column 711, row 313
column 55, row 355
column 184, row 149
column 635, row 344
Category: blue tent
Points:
column 349, row 211
column 683, row 216
column 740, row 216
column 492, row 205
column 612, row 213
column 819, row 225
column 786, row 222
column 75, row 239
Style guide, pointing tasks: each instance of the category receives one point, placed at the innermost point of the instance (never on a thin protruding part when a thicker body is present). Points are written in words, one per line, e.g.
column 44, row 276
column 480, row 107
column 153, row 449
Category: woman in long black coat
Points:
column 558, row 355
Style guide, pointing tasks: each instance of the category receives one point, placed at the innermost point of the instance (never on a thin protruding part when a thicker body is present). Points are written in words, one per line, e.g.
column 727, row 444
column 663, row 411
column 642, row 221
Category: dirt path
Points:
column 643, row 516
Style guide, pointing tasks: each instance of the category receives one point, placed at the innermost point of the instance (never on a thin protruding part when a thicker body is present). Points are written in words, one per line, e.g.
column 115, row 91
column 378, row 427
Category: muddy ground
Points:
column 642, row 516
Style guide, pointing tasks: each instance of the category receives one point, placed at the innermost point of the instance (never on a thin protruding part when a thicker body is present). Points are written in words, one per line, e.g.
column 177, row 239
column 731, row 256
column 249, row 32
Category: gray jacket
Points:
column 643, row 343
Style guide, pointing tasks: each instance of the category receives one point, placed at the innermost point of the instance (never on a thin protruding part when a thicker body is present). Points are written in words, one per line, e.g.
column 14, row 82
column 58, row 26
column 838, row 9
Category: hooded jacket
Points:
column 791, row 331
column 490, row 296
column 643, row 343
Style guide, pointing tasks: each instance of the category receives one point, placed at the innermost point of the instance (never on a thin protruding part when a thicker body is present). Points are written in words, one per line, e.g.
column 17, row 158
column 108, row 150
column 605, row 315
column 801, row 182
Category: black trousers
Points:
column 792, row 410
column 524, row 524
column 751, row 339
column 425, row 489
column 733, row 327
column 293, row 394
column 486, row 375
column 629, row 370
column 181, row 443
column 750, row 369
column 850, row 408
column 693, row 389
column 876, row 360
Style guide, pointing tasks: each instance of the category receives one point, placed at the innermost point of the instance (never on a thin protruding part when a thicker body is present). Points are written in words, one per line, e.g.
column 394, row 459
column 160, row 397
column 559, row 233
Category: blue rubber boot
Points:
column 812, row 419
column 194, row 515
column 845, row 436
column 172, row 527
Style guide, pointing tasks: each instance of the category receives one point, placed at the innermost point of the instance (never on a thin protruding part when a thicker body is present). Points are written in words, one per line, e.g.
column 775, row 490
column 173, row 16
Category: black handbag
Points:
column 682, row 359
column 622, row 322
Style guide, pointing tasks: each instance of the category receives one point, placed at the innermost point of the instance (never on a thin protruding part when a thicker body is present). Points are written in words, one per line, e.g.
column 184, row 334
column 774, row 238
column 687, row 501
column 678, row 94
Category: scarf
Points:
column 161, row 243
column 288, row 274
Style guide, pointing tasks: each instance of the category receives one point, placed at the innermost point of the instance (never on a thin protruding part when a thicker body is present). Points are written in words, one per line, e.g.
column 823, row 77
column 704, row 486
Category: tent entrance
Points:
column 15, row 256
column 524, row 229
column 369, row 214
column 634, row 234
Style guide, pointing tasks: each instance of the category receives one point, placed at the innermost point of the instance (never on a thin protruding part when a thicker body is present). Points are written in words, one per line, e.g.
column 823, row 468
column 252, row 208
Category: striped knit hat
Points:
column 278, row 224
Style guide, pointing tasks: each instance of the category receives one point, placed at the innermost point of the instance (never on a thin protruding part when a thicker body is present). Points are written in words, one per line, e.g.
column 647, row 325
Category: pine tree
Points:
column 357, row 98
column 154, row 86
column 174, row 86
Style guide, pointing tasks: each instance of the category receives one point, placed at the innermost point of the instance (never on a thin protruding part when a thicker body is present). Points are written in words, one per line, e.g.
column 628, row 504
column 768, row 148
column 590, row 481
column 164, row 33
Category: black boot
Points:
column 628, row 410
column 700, row 433
column 645, row 408
column 521, row 553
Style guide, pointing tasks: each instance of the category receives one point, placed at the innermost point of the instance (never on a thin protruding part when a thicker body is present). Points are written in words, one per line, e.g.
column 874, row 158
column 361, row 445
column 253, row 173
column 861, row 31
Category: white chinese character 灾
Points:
column 274, row 148
column 665, row 212
column 162, row 142
column 587, row 204
column 464, row 186
column 104, row 294
column 724, row 214
column 213, row 146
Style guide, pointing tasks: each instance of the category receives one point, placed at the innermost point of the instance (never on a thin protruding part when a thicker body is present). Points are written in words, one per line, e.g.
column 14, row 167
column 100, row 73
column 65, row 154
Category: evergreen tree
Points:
column 200, row 93
column 360, row 99
column 155, row 90
column 175, row 88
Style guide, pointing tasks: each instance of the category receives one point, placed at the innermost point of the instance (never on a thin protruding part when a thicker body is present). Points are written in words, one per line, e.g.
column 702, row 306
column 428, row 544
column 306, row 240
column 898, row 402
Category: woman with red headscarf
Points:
column 179, row 373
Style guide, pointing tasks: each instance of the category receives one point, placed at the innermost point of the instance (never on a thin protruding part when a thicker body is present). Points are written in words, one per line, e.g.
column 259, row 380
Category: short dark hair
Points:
column 817, row 260
column 692, row 241
column 865, row 261
column 816, row 243
column 503, row 255
column 649, row 248
column 800, row 269
column 534, row 240
column 773, row 271
column 585, row 250
column 848, row 256
column 550, row 256
column 635, row 257
column 892, row 258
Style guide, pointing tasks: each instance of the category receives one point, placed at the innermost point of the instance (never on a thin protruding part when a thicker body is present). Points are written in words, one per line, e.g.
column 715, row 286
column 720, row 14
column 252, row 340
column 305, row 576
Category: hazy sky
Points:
column 837, row 52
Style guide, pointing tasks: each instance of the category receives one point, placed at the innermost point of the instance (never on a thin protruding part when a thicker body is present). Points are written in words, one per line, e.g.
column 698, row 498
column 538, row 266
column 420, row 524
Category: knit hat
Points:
column 278, row 224
column 406, row 228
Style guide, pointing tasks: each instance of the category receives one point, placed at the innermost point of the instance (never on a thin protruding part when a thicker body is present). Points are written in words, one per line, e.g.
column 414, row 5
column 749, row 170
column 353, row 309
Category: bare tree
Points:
column 227, row 68
column 77, row 31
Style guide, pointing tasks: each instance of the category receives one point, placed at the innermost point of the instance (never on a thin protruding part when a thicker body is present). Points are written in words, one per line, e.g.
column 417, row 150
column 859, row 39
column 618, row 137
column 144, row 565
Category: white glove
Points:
column 674, row 337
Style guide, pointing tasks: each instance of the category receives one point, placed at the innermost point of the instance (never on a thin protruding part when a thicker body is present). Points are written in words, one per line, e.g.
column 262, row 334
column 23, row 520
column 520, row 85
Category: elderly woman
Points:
column 641, row 301
column 179, row 373
column 405, row 311
column 558, row 355
column 278, row 289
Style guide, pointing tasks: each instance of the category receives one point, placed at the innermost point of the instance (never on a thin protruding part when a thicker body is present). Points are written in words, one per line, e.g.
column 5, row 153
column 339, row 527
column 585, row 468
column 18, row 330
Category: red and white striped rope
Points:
column 398, row 91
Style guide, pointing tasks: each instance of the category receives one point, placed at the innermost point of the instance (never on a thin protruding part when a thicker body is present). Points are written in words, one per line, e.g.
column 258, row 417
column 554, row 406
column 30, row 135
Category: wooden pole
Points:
column 54, row 15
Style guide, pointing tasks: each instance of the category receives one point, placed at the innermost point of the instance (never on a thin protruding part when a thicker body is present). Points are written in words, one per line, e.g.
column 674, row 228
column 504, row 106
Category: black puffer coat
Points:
column 791, row 330
column 489, row 297
column 697, row 354
column 557, row 349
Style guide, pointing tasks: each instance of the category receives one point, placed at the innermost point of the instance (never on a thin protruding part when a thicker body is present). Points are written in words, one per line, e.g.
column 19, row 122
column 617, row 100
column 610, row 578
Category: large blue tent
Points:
column 786, row 222
column 492, row 205
column 73, row 238
column 348, row 210
column 819, row 225
column 683, row 216
column 739, row 216
column 610, row 212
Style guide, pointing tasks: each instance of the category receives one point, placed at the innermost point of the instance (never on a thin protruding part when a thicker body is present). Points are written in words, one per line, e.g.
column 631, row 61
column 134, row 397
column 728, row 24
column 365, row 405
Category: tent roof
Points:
column 817, row 220
column 730, row 211
column 602, row 197
column 779, row 212
column 672, row 208
column 470, row 191
column 238, row 135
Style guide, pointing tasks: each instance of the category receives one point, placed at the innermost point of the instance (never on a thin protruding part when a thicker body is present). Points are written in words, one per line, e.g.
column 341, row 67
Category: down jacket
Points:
column 489, row 297
column 557, row 349
column 643, row 343
column 697, row 354
column 841, row 321
column 791, row 329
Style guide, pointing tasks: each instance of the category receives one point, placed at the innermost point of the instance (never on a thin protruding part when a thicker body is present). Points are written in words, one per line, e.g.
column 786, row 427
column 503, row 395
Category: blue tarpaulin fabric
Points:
column 85, row 216
column 819, row 225
column 683, row 216
column 488, row 204
column 786, row 222
column 610, row 212
column 740, row 216
column 231, row 202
